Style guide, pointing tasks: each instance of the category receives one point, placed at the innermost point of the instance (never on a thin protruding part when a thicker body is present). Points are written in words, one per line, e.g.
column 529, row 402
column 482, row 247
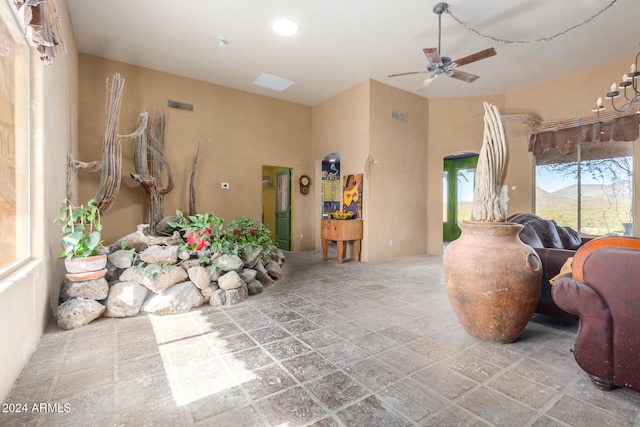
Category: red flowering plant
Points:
column 198, row 229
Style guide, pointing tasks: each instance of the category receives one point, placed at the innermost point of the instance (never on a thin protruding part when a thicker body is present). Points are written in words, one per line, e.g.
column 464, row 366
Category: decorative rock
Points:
column 262, row 274
column 125, row 299
column 178, row 279
column 209, row 290
column 218, row 298
column 266, row 280
column 113, row 273
column 259, row 267
column 248, row 275
column 187, row 264
column 199, row 276
column 121, row 258
column 184, row 254
column 96, row 289
column 214, row 273
column 278, row 256
column 160, row 254
column 78, row 312
column 255, row 287
column 155, row 277
column 251, row 256
column 236, row 296
column 179, row 298
column 229, row 262
column 143, row 237
column 133, row 274
column 163, row 228
column 230, row 280
column 274, row 270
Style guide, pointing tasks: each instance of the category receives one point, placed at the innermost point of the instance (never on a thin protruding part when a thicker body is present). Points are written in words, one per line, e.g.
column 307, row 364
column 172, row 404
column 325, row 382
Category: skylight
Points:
column 272, row 82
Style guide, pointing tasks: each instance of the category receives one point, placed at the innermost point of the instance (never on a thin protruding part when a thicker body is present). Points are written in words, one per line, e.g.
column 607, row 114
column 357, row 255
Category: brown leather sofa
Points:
column 604, row 291
column 554, row 244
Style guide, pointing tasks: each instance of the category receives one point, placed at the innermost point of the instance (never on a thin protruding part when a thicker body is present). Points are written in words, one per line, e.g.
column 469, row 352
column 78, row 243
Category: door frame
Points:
column 283, row 217
column 452, row 164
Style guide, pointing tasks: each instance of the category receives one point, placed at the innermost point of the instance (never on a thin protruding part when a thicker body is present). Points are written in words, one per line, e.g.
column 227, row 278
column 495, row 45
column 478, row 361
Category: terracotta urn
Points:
column 493, row 280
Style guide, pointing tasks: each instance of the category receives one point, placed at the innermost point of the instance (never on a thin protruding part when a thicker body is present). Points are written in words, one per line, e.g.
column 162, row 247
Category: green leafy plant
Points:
column 247, row 234
column 81, row 229
column 198, row 229
column 208, row 231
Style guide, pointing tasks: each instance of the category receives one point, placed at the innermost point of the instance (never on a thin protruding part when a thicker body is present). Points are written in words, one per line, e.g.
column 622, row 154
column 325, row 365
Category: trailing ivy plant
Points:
column 81, row 229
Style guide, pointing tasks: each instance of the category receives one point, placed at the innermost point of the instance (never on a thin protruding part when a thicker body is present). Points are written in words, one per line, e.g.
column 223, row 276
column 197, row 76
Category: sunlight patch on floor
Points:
column 191, row 351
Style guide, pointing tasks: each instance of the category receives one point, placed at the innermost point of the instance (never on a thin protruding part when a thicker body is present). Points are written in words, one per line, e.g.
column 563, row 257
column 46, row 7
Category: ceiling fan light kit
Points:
column 438, row 64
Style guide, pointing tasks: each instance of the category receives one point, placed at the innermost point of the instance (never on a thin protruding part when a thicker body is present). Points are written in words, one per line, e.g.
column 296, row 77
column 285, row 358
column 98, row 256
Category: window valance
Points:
column 624, row 128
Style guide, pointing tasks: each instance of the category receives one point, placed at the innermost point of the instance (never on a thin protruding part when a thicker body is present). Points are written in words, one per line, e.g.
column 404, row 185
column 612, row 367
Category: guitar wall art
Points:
column 352, row 195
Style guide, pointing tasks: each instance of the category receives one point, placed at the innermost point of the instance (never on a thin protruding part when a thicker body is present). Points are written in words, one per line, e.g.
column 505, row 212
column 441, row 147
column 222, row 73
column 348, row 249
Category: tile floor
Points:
column 357, row 344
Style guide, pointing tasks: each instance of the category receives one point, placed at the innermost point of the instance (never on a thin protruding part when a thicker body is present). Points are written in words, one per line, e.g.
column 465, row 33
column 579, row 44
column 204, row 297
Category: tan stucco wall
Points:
column 357, row 123
column 397, row 196
column 241, row 132
column 29, row 295
column 455, row 125
column 341, row 124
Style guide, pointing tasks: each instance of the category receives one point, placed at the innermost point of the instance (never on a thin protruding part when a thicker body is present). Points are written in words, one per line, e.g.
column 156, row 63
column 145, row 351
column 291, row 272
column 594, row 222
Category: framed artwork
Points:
column 352, row 194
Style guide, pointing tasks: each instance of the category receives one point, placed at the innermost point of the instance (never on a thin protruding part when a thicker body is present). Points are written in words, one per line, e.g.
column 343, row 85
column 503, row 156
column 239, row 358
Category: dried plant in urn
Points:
column 492, row 278
column 489, row 195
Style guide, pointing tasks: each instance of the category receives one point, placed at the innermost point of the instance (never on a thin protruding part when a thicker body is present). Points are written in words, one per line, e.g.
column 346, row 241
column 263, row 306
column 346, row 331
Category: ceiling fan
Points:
column 443, row 64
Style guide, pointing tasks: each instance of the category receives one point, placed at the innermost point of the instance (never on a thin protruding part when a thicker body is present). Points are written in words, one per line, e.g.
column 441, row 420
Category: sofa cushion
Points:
column 547, row 232
column 569, row 237
column 529, row 236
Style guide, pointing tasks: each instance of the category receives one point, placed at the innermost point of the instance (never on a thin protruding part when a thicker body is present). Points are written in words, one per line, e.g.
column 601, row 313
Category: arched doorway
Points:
column 457, row 191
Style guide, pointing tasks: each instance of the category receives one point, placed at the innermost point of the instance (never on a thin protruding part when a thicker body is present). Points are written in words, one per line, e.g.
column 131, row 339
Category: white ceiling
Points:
column 344, row 42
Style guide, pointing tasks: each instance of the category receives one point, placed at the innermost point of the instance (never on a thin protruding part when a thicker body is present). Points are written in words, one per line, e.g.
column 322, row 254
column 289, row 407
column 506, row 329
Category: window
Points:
column 14, row 141
column 589, row 189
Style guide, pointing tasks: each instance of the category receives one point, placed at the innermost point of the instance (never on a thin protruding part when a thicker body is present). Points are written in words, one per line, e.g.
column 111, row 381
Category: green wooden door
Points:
column 457, row 190
column 283, row 210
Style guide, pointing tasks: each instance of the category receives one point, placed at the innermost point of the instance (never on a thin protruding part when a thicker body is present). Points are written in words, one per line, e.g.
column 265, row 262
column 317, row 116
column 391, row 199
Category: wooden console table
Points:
column 341, row 230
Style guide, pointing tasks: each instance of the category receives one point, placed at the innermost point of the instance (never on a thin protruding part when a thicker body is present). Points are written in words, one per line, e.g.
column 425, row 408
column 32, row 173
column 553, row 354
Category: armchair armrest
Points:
column 586, row 250
column 595, row 356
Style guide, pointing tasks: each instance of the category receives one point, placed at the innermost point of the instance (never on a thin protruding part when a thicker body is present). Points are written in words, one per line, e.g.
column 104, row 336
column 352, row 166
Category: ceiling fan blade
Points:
column 461, row 75
column 426, row 82
column 432, row 55
column 482, row 54
column 406, row 74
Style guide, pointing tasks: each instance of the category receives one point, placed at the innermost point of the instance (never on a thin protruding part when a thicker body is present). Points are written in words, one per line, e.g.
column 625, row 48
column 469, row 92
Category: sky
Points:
column 547, row 180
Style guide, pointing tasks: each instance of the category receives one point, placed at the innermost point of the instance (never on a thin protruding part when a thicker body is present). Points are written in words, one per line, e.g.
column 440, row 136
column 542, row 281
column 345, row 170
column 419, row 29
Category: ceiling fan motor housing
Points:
column 440, row 8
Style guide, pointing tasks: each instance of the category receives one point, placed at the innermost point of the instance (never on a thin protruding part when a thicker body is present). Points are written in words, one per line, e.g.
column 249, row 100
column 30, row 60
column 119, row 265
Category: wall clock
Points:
column 305, row 182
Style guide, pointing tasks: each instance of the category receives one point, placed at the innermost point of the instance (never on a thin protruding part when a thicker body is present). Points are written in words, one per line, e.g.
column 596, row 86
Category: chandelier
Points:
column 628, row 88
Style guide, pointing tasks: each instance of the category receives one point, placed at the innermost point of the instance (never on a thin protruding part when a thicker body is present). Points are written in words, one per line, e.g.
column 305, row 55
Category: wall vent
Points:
column 180, row 105
column 399, row 116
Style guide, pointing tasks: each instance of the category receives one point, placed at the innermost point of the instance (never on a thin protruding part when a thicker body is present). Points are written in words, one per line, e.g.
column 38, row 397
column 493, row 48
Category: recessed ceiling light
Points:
column 285, row 27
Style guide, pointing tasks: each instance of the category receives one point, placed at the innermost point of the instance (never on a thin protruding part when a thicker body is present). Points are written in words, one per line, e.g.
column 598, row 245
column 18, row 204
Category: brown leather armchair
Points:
column 604, row 291
column 554, row 244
